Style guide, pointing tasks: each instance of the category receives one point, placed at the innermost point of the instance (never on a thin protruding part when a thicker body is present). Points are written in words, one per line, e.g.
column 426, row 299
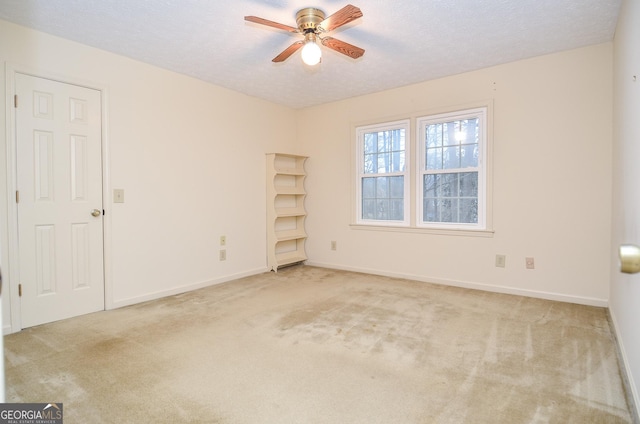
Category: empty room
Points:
column 288, row 212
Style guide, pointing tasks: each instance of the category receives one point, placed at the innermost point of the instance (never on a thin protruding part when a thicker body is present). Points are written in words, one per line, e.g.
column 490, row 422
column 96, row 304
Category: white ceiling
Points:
column 405, row 41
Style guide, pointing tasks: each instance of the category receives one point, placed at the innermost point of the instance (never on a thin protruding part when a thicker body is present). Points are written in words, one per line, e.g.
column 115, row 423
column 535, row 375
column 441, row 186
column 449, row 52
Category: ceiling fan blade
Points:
column 343, row 16
column 288, row 52
column 342, row 47
column 267, row 22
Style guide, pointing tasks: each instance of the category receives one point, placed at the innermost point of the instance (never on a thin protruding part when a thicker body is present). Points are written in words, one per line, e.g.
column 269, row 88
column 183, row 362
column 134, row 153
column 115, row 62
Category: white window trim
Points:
column 421, row 123
column 412, row 150
column 385, row 126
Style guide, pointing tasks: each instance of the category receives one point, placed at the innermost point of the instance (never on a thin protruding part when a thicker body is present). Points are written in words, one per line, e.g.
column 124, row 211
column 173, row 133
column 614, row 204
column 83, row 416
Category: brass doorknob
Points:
column 629, row 258
column 95, row 212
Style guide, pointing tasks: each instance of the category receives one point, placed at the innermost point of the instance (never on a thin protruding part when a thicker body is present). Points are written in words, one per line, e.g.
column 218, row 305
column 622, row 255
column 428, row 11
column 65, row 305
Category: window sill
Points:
column 420, row 230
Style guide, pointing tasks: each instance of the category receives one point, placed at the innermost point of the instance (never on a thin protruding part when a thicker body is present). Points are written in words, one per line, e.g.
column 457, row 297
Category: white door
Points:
column 59, row 182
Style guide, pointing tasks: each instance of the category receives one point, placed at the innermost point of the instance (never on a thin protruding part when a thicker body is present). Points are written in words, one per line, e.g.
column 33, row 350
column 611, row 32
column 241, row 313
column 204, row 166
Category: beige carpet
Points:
column 312, row 345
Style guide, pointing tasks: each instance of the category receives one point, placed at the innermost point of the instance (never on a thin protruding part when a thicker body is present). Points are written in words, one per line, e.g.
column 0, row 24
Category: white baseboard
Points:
column 473, row 285
column 630, row 385
column 183, row 289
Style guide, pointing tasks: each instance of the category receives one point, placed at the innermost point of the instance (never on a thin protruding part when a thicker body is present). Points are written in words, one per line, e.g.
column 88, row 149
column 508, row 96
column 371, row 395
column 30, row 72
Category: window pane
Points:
column 429, row 185
column 382, row 187
column 434, row 158
column 430, row 210
column 392, row 140
column 383, row 198
column 369, row 209
column 368, row 188
column 382, row 140
column 383, row 163
column 382, row 209
column 397, row 137
column 448, row 185
column 440, row 210
column 471, row 131
column 433, row 135
column 469, row 184
column 450, row 132
column 450, row 197
column 451, row 157
column 469, row 156
column 384, row 152
column 449, row 210
column 396, row 187
column 468, row 211
column 370, row 163
column 397, row 162
column 370, row 143
column 396, row 211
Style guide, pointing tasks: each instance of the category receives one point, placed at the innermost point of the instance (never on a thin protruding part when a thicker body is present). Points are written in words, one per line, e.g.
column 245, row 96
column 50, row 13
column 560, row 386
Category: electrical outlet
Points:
column 529, row 263
column 223, row 240
column 223, row 255
column 501, row 261
column 334, row 245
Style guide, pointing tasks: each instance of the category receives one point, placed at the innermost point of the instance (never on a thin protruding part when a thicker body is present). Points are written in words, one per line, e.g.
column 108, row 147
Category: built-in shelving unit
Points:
column 285, row 210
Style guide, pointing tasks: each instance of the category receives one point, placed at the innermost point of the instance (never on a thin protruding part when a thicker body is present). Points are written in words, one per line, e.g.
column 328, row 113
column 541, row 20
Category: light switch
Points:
column 629, row 258
column 118, row 195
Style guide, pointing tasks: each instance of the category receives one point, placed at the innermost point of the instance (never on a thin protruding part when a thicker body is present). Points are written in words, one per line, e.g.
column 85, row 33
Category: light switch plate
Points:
column 118, row 195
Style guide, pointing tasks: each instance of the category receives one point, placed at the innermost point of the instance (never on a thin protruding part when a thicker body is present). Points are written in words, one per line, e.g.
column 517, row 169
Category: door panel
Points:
column 59, row 178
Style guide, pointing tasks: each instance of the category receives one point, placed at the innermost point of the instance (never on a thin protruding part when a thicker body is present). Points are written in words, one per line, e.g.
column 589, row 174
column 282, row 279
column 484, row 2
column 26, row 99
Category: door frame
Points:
column 12, row 270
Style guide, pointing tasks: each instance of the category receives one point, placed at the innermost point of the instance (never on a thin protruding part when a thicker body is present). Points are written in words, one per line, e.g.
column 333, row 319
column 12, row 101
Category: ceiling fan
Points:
column 313, row 24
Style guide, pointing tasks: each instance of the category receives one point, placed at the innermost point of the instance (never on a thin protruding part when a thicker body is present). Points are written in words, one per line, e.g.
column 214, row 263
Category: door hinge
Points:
column 15, row 100
column 20, row 290
column 17, row 196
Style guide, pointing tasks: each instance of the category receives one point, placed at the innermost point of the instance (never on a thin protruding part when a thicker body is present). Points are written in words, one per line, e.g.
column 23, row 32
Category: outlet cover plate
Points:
column 118, row 195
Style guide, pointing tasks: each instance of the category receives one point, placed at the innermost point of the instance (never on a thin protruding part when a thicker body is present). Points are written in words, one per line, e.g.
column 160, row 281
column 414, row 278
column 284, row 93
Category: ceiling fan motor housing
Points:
column 309, row 18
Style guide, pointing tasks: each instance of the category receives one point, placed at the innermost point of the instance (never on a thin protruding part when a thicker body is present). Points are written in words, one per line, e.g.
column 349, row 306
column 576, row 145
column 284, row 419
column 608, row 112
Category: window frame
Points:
column 405, row 125
column 481, row 113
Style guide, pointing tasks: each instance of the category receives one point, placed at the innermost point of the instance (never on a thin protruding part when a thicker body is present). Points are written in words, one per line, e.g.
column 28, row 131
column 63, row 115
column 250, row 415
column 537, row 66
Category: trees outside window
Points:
column 451, row 169
column 450, row 178
column 383, row 182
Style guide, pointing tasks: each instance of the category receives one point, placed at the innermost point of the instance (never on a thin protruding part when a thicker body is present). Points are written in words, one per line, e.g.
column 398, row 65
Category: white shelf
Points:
column 285, row 171
column 285, row 210
column 289, row 190
column 290, row 258
column 290, row 235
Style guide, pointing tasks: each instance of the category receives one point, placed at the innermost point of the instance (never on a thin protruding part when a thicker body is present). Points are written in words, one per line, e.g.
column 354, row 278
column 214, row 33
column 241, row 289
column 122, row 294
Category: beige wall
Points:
column 551, row 156
column 189, row 155
column 625, row 288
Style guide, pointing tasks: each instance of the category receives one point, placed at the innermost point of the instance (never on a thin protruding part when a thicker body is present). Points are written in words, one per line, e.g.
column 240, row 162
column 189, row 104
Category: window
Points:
column 448, row 189
column 451, row 176
column 383, row 184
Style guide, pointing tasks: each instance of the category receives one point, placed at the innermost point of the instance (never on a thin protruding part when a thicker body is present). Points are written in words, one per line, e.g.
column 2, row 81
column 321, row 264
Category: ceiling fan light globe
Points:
column 311, row 53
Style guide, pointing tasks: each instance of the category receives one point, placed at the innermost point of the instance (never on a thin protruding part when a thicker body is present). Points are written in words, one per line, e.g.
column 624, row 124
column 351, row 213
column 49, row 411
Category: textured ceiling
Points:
column 405, row 41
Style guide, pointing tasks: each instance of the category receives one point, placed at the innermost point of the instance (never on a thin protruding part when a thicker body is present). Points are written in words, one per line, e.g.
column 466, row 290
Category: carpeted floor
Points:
column 313, row 345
